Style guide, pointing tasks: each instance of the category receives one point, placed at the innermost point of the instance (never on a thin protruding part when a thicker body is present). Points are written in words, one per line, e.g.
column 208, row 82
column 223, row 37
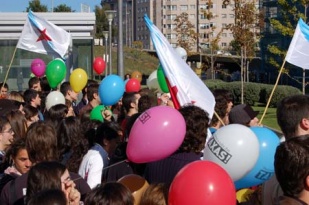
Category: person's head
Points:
column 41, row 142
column 4, row 88
column 57, row 112
column 35, row 84
column 89, row 82
column 18, row 156
column 45, row 85
column 18, row 123
column 127, row 76
column 197, row 122
column 6, row 134
column 244, row 114
column 145, row 102
column 49, row 197
column 17, row 96
column 69, row 105
column 93, row 93
column 130, row 102
column 32, row 97
column 110, row 193
column 107, row 137
column 224, row 103
column 293, row 114
column 68, row 92
column 45, row 175
column 31, row 114
column 292, row 166
column 155, row 194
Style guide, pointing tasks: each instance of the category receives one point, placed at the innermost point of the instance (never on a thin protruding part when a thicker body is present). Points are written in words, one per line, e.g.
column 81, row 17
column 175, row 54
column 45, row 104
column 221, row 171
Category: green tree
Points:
column 36, row 6
column 186, row 35
column 63, row 8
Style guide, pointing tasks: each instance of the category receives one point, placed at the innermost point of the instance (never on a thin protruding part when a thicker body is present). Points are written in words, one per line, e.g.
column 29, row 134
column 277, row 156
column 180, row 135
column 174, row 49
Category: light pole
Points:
column 105, row 34
column 120, row 41
column 110, row 15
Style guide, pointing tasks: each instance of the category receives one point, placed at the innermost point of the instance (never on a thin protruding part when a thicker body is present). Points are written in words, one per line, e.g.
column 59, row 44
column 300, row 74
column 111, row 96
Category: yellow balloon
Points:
column 242, row 194
column 78, row 79
column 137, row 75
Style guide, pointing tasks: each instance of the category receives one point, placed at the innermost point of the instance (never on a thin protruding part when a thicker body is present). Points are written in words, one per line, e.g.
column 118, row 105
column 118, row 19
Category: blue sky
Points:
column 21, row 5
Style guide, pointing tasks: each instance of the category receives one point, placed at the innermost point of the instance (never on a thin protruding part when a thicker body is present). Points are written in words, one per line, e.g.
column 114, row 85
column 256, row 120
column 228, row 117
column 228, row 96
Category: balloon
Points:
column 182, row 53
column 234, row 147
column 136, row 184
column 54, row 98
column 99, row 65
column 243, row 194
column 156, row 134
column 55, row 72
column 137, row 75
column 152, row 81
column 111, row 89
column 78, row 79
column 96, row 113
column 264, row 167
column 38, row 67
column 133, row 85
column 162, row 80
column 202, row 182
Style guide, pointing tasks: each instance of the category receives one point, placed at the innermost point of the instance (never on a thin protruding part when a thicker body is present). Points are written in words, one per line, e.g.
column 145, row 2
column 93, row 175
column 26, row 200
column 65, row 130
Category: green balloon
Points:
column 55, row 72
column 96, row 113
column 161, row 80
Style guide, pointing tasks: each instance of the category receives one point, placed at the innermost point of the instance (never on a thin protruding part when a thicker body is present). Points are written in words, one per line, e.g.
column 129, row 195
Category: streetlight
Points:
column 110, row 15
column 105, row 34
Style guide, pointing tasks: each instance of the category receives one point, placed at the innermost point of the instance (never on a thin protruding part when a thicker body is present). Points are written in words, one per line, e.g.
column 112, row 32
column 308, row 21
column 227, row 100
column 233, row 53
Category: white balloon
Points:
column 182, row 53
column 152, row 81
column 54, row 98
column 234, row 147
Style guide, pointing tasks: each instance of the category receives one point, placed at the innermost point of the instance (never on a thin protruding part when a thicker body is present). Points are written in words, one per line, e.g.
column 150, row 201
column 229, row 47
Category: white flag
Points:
column 42, row 36
column 298, row 53
column 189, row 88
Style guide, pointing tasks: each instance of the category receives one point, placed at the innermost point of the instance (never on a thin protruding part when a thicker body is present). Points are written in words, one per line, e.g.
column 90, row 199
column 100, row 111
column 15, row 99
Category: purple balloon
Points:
column 38, row 67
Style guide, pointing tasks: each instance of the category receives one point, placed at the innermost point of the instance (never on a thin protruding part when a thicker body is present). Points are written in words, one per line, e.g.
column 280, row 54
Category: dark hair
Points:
column 56, row 113
column 89, row 128
column 43, row 176
column 45, row 85
column 197, row 122
column 89, row 82
column 144, row 103
column 155, row 194
column 41, row 142
column 105, row 132
column 127, row 99
column 49, row 197
column 91, row 90
column 3, row 121
column 29, row 95
column 290, row 112
column 64, row 88
column 222, row 98
column 32, row 81
column 110, row 193
column 5, row 85
column 18, row 123
column 30, row 111
column 292, row 165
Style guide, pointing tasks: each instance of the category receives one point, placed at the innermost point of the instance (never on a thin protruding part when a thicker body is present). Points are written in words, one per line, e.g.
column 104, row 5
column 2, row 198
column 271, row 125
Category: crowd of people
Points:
column 60, row 156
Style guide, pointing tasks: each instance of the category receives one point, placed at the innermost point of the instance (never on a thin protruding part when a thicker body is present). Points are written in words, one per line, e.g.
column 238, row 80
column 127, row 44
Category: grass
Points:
column 270, row 118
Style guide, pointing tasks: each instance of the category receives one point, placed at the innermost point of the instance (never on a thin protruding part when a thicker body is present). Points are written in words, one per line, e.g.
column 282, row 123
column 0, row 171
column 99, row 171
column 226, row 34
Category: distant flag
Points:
column 184, row 83
column 298, row 53
column 84, row 8
column 42, row 36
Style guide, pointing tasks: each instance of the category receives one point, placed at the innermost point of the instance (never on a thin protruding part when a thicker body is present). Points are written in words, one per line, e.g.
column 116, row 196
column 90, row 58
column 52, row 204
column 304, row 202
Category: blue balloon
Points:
column 264, row 167
column 111, row 89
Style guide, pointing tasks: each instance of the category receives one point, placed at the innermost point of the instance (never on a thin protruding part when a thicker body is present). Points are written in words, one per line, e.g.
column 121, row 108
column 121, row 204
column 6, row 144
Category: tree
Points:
column 186, row 35
column 63, row 8
column 36, row 6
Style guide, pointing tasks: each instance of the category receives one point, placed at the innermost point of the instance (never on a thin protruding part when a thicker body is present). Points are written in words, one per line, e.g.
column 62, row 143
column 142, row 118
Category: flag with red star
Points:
column 184, row 84
column 42, row 36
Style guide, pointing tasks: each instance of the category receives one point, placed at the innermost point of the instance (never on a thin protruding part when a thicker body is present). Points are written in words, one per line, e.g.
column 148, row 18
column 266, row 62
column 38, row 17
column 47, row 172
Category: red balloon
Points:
column 202, row 182
column 99, row 65
column 133, row 85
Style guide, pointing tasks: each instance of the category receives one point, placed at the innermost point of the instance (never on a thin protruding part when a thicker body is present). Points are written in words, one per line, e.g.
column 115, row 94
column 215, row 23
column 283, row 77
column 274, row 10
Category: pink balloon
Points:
column 156, row 134
column 38, row 67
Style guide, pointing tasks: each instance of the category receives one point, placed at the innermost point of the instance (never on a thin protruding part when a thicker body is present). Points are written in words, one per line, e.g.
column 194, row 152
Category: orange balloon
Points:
column 137, row 75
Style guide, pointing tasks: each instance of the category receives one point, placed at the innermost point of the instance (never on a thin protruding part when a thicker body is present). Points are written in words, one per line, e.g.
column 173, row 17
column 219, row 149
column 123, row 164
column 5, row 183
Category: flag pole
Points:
column 272, row 92
column 7, row 72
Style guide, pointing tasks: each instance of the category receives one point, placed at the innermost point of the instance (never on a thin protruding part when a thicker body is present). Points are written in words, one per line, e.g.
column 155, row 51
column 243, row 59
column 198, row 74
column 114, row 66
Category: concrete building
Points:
column 80, row 25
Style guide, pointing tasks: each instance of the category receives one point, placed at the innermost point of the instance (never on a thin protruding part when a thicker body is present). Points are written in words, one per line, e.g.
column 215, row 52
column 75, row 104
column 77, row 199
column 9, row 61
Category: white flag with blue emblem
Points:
column 42, row 36
column 298, row 53
column 185, row 84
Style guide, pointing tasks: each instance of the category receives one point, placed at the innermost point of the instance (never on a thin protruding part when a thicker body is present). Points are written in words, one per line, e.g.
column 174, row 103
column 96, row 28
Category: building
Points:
column 80, row 25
